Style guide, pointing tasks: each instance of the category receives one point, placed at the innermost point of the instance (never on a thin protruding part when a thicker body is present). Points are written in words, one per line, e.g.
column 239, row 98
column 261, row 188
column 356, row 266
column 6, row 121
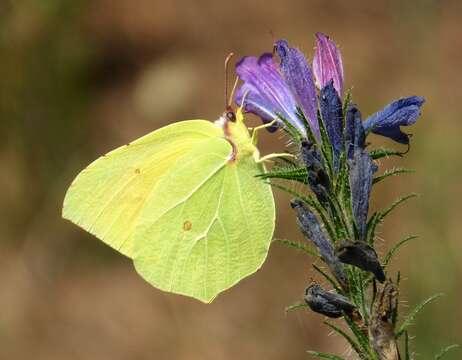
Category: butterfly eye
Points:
column 231, row 116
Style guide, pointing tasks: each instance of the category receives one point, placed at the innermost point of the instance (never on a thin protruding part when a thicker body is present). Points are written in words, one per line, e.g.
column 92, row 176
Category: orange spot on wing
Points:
column 187, row 225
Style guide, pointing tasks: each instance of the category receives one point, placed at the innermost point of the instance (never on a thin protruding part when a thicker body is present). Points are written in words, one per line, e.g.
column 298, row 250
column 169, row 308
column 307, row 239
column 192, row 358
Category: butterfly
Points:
column 183, row 202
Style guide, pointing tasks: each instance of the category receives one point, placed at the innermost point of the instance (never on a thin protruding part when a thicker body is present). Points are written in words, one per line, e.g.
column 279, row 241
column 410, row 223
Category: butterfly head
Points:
column 229, row 114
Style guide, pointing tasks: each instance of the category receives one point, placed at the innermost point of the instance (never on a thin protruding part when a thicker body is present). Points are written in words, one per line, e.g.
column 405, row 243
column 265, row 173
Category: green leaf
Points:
column 290, row 129
column 297, row 245
column 381, row 153
column 287, row 173
column 338, row 212
column 289, row 191
column 445, row 351
column 326, row 147
column 342, row 174
column 346, row 102
column 323, row 355
column 348, row 338
column 360, row 336
column 395, row 248
column 412, row 315
column 309, row 132
column 378, row 217
column 407, row 355
column 396, row 203
column 392, row 172
column 295, row 306
column 374, row 220
column 361, row 289
column 328, row 278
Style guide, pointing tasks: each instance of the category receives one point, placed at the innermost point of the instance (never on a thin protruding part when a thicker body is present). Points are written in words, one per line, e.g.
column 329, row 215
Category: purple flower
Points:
column 387, row 122
column 280, row 91
column 327, row 64
column 298, row 76
column 274, row 90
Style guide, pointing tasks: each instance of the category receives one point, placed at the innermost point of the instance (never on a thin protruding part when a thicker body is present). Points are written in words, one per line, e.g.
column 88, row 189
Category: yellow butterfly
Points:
column 183, row 202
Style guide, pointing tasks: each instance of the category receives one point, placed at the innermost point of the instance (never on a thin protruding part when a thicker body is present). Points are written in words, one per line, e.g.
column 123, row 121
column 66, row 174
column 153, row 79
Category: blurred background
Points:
column 79, row 78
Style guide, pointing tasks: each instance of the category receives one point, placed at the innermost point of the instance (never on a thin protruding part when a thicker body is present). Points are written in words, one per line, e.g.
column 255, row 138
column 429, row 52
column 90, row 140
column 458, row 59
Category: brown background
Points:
column 78, row 78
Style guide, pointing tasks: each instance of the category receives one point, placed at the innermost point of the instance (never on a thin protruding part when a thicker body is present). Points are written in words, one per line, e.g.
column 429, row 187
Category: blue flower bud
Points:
column 327, row 303
column 312, row 230
column 361, row 255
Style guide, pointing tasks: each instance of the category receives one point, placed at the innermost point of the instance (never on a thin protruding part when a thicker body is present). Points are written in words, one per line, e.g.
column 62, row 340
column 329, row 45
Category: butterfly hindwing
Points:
column 207, row 225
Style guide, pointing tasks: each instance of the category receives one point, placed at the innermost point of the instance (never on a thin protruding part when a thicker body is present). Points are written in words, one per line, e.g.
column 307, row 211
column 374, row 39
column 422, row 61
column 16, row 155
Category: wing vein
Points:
column 191, row 193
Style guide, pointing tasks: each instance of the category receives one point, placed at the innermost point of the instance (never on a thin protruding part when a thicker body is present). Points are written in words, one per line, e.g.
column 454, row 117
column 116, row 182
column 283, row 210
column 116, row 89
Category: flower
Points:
column 354, row 131
column 327, row 64
column 313, row 231
column 280, row 91
column 361, row 255
column 272, row 90
column 328, row 303
column 317, row 177
column 387, row 122
column 298, row 76
column 361, row 177
column 332, row 117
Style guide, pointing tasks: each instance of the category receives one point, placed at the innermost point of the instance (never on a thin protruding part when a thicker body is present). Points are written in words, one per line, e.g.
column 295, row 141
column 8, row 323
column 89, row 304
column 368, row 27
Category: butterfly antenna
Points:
column 243, row 98
column 230, row 99
column 228, row 58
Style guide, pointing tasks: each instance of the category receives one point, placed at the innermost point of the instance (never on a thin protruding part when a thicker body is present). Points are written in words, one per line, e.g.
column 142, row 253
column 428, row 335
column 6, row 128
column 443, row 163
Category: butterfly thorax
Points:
column 237, row 133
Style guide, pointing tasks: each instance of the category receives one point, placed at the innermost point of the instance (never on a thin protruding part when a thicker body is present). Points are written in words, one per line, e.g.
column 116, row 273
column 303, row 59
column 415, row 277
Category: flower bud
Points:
column 327, row 303
column 361, row 255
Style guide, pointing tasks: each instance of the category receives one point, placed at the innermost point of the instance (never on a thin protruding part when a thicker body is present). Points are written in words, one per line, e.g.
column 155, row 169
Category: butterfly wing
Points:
column 107, row 197
column 207, row 225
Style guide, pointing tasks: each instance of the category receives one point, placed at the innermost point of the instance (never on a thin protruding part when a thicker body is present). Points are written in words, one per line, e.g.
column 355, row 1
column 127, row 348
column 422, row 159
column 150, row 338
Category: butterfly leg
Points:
column 274, row 155
column 233, row 155
column 256, row 129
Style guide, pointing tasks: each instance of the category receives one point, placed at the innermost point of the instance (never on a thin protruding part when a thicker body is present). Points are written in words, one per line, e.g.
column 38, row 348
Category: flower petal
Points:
column 327, row 63
column 265, row 91
column 332, row 117
column 256, row 104
column 387, row 122
column 298, row 76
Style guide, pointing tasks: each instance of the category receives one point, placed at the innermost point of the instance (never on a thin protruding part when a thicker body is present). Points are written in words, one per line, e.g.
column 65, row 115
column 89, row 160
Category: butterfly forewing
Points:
column 107, row 197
